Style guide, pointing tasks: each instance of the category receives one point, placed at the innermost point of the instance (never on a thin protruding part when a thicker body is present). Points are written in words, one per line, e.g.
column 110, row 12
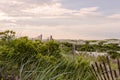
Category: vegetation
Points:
column 98, row 47
column 114, row 54
column 27, row 59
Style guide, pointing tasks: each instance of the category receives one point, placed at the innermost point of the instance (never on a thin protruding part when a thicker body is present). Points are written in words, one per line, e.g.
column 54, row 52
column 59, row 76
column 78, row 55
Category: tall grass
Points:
column 62, row 70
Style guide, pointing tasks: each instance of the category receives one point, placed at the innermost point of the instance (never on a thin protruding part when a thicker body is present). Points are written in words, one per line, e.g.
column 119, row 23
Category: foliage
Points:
column 7, row 35
column 100, row 47
column 102, row 58
column 62, row 70
column 35, row 60
column 114, row 54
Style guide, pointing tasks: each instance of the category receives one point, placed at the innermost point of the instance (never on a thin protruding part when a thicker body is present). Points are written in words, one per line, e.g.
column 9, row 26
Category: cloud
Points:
column 15, row 7
column 83, row 31
column 42, row 8
column 48, row 10
column 42, row 12
column 114, row 16
column 57, row 11
column 3, row 16
column 50, row 17
column 90, row 11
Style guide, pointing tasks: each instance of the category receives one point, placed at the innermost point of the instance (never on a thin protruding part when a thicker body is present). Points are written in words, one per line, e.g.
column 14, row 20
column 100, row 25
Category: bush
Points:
column 114, row 54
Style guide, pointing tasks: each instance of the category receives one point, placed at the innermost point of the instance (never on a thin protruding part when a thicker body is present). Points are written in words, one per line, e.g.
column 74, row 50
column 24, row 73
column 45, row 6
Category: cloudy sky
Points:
column 73, row 19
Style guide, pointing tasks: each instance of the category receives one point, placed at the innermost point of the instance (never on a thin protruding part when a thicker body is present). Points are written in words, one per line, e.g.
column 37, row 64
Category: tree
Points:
column 53, row 48
column 7, row 35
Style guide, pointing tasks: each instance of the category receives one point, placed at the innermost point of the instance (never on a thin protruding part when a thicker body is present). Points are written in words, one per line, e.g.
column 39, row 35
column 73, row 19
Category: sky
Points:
column 63, row 19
